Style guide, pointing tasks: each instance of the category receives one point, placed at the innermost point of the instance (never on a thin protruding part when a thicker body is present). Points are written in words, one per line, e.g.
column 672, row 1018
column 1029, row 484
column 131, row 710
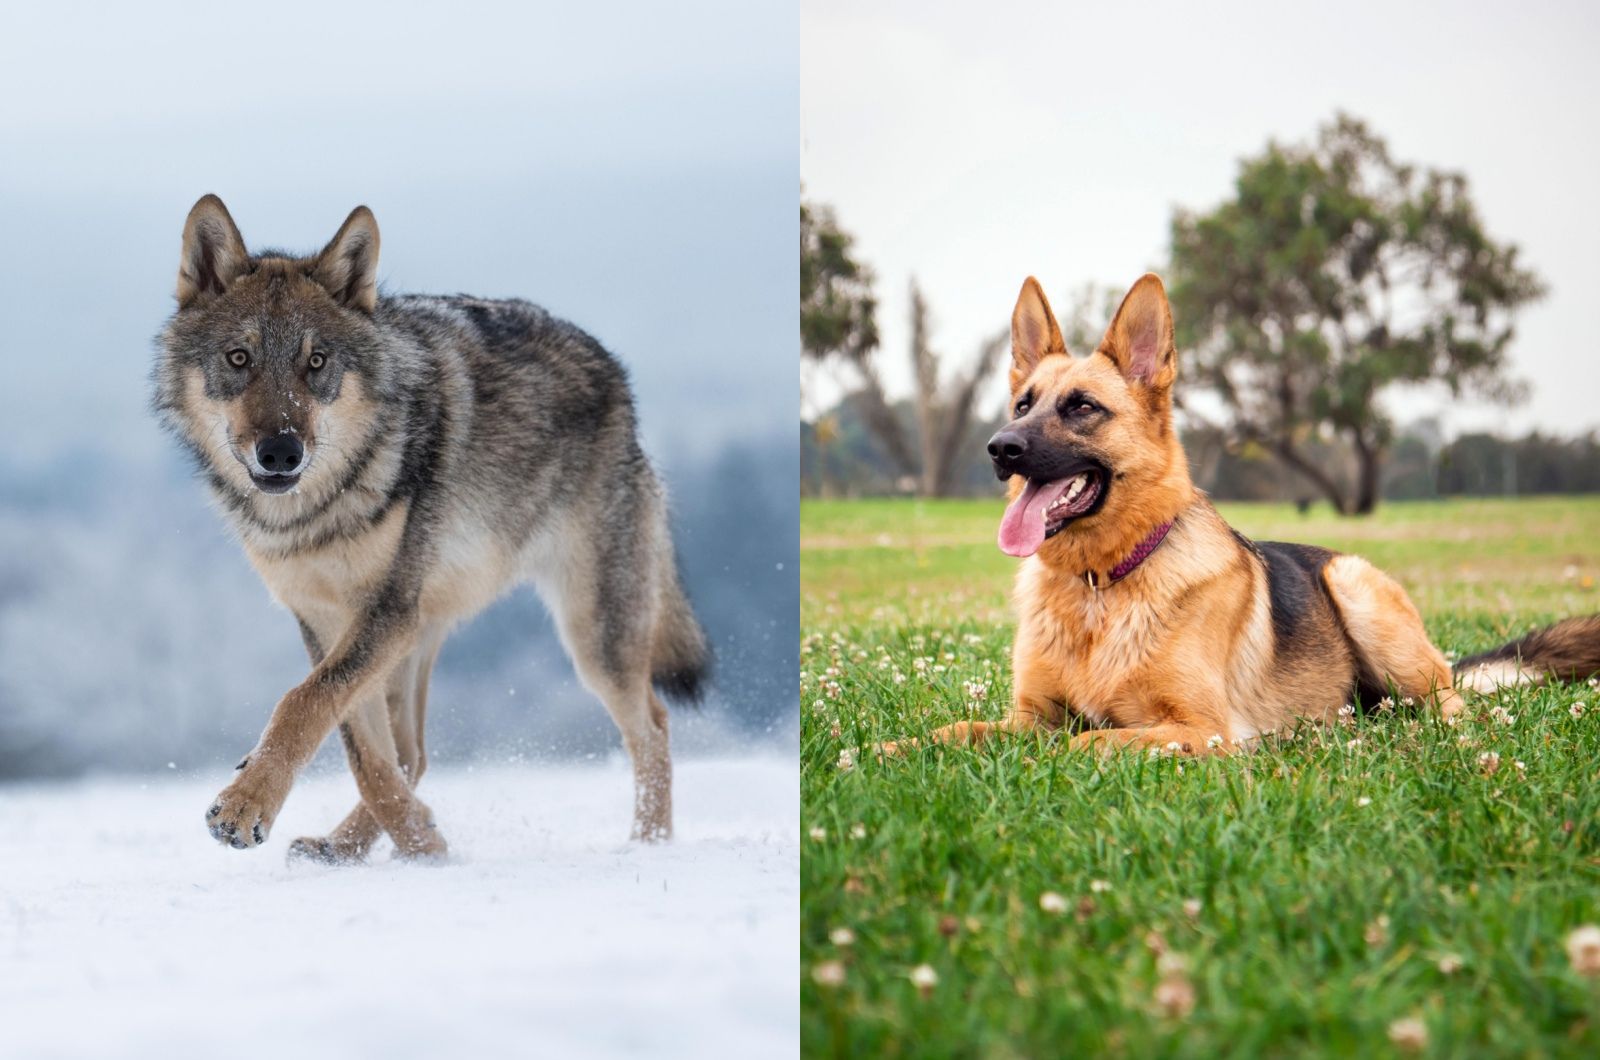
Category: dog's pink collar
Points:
column 1140, row 553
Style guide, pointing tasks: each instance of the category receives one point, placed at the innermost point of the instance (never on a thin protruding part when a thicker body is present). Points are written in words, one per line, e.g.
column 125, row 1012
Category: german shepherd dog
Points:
column 1143, row 618
column 391, row 466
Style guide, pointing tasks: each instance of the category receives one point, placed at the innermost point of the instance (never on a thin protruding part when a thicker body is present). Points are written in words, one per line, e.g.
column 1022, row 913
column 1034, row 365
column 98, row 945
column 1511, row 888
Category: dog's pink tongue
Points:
column 1022, row 528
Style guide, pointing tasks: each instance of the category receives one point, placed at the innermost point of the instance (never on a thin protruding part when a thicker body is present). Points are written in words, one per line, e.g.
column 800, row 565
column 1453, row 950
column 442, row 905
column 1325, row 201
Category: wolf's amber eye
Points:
column 238, row 358
column 316, row 360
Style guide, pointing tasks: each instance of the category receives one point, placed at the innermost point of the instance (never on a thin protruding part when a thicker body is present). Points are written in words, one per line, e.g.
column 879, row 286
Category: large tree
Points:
column 1333, row 273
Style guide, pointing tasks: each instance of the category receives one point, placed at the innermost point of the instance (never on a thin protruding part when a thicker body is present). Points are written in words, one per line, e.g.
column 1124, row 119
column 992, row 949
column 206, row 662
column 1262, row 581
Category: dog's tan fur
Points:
column 1185, row 653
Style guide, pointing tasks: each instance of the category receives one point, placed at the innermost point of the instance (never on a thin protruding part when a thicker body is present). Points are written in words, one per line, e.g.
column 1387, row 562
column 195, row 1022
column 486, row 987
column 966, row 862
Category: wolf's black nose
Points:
column 280, row 454
column 1005, row 449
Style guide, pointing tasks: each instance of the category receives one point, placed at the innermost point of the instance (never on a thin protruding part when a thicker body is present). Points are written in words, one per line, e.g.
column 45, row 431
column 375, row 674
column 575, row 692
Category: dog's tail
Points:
column 680, row 666
column 1566, row 651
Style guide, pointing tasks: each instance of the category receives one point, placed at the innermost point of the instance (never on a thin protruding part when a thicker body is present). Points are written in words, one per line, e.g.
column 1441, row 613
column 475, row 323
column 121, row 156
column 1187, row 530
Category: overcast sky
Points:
column 974, row 144
column 629, row 166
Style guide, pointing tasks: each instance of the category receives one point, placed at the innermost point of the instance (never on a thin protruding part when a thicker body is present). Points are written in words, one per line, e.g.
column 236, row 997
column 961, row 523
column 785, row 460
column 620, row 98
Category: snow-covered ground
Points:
column 125, row 931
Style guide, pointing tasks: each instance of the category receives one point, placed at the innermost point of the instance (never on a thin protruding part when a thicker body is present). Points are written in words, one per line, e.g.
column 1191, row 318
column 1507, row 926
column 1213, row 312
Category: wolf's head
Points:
column 268, row 365
column 1090, row 450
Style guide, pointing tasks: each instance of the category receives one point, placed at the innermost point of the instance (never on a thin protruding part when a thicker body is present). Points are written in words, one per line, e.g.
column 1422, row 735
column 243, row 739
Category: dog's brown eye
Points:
column 1023, row 406
column 238, row 358
column 316, row 361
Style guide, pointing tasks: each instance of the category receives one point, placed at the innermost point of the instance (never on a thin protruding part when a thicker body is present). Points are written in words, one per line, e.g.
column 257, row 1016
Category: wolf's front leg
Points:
column 407, row 699
column 369, row 744
column 243, row 812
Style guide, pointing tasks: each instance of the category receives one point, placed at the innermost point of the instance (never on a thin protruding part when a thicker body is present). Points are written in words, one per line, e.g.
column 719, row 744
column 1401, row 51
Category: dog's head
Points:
column 267, row 366
column 1090, row 437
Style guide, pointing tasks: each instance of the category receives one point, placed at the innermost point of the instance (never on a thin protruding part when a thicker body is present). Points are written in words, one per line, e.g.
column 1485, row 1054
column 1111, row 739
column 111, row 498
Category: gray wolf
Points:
column 391, row 465
column 1144, row 620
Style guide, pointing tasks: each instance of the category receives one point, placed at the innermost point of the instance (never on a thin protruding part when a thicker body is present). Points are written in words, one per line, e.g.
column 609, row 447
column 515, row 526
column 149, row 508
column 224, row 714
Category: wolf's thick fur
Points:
column 1212, row 639
column 433, row 453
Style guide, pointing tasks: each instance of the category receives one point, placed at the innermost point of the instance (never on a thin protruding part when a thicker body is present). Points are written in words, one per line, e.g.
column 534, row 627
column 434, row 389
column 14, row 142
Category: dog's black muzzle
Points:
column 1018, row 451
column 1007, row 449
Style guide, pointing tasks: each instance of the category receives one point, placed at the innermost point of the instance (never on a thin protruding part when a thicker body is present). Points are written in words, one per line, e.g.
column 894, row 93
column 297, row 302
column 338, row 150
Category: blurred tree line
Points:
column 850, row 462
column 1333, row 273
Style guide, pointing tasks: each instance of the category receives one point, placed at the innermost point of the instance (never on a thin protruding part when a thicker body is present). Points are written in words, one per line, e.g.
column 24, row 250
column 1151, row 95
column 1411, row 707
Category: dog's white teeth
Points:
column 1077, row 486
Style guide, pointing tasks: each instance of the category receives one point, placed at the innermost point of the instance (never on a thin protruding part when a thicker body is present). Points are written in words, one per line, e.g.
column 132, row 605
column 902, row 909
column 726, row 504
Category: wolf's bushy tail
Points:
column 1566, row 651
column 680, row 666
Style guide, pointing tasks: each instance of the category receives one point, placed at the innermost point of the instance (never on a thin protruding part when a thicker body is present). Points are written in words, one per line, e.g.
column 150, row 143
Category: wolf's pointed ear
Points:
column 1139, row 340
column 1034, row 333
column 213, row 252
column 348, row 266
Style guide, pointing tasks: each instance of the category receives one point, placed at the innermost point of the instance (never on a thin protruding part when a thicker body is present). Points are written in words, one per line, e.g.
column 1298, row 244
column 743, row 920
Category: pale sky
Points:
column 629, row 166
column 974, row 144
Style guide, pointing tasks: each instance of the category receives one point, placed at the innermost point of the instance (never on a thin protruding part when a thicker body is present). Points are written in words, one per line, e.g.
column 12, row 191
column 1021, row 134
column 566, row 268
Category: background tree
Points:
column 1333, row 273
column 838, row 322
column 945, row 411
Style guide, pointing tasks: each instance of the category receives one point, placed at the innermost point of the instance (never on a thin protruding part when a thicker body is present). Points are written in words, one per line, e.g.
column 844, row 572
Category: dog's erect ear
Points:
column 1139, row 340
column 213, row 252
column 348, row 266
column 1034, row 333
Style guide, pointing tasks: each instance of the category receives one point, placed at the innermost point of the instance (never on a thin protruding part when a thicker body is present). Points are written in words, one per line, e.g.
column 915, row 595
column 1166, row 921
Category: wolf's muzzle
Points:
column 279, row 459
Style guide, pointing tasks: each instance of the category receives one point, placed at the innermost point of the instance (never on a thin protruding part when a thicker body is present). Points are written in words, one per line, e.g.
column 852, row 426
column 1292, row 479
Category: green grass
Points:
column 1294, row 854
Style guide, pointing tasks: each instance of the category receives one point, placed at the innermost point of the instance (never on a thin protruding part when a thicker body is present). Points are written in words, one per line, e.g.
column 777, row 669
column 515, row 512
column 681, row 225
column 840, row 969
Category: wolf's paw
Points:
column 433, row 851
column 421, row 841
column 324, row 851
column 243, row 813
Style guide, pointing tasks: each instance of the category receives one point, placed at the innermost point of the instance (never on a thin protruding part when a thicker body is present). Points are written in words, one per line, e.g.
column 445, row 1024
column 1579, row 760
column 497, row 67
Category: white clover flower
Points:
column 1583, row 950
column 1409, row 1035
column 1175, row 997
column 829, row 974
column 1053, row 903
column 924, row 978
column 842, row 936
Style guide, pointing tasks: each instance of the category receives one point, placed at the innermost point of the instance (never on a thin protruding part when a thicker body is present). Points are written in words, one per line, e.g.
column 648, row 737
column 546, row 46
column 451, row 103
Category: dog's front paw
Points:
column 243, row 813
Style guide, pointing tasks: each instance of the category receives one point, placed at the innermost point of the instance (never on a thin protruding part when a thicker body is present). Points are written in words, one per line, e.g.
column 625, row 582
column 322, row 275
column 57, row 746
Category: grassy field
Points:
column 1389, row 877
